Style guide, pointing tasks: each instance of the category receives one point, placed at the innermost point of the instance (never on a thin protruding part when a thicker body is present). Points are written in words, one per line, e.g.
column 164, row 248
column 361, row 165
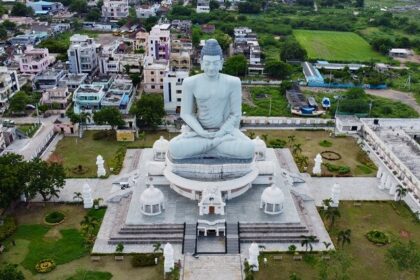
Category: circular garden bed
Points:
column 378, row 237
column 79, row 170
column 330, row 155
column 54, row 218
column 45, row 266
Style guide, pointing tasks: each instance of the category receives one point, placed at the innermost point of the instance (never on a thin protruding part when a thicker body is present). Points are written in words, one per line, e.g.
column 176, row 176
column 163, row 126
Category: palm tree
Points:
column 297, row 148
column 264, row 137
column 251, row 134
column 302, row 162
column 307, row 242
column 89, row 223
column 344, row 237
column 331, row 214
column 157, row 247
column 291, row 139
column 327, row 203
column 78, row 196
column 400, row 192
column 326, row 244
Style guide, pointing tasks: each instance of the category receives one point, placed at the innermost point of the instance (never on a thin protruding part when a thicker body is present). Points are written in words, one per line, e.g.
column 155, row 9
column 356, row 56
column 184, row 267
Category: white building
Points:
column 172, row 90
column 160, row 42
column 400, row 53
column 146, row 12
column 115, row 9
column 153, row 74
column 203, row 6
column 83, row 54
column 87, row 98
column 9, row 85
column 112, row 61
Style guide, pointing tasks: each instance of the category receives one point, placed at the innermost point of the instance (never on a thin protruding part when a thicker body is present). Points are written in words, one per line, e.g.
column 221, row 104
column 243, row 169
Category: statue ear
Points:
column 222, row 61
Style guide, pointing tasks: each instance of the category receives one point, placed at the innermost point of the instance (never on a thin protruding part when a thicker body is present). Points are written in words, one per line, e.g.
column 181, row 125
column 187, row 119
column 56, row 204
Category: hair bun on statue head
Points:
column 211, row 47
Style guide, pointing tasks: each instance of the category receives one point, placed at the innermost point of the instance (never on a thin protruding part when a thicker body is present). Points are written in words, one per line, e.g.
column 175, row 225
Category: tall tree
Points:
column 235, row 65
column 277, row 69
column 44, row 178
column 109, row 115
column 20, row 10
column 344, row 236
column 10, row 272
column 292, row 50
column 148, row 110
column 13, row 177
column 214, row 5
column 18, row 102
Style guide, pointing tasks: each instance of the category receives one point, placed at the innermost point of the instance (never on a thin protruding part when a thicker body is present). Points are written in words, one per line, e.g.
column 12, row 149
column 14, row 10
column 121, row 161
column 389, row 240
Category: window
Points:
column 161, row 72
column 153, row 86
column 179, row 91
column 178, row 99
column 152, row 80
column 161, row 87
column 161, row 80
column 152, row 72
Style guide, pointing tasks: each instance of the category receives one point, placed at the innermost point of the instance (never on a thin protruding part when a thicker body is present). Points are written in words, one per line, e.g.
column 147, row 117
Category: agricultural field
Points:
column 336, row 46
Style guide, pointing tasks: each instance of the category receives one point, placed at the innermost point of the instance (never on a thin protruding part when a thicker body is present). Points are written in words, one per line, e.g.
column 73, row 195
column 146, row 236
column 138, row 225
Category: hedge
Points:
column 148, row 259
column 8, row 228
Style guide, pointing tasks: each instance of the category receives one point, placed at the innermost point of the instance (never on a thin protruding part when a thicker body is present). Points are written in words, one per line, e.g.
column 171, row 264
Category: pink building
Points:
column 57, row 99
column 35, row 60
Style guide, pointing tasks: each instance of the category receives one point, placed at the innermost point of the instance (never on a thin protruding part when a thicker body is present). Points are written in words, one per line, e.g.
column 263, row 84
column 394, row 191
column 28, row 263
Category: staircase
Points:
column 148, row 234
column 190, row 238
column 232, row 238
column 270, row 233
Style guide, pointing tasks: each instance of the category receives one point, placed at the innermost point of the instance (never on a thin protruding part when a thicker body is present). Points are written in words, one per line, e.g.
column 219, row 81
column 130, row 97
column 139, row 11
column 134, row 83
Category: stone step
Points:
column 150, row 235
column 172, row 241
column 276, row 234
column 270, row 230
column 190, row 236
column 254, row 226
column 150, row 231
column 153, row 226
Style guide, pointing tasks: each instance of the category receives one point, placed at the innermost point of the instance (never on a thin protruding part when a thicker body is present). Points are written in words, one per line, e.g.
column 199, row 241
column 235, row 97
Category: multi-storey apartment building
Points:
column 160, row 42
column 83, row 54
column 115, row 9
column 34, row 60
column 153, row 74
column 48, row 79
column 9, row 85
column 172, row 91
column 87, row 98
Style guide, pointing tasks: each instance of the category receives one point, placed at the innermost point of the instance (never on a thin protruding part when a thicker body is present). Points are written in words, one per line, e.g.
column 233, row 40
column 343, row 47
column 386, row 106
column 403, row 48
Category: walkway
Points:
column 404, row 97
column 352, row 188
column 212, row 267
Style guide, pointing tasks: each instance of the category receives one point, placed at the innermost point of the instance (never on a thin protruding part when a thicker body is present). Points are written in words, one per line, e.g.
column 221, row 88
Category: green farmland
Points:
column 336, row 46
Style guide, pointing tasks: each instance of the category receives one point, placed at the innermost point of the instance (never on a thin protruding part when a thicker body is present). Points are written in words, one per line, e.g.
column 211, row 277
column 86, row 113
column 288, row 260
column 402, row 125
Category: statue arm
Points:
column 187, row 109
column 235, row 101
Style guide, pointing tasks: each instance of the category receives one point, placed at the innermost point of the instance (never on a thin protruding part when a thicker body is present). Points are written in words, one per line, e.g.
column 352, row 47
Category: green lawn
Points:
column 261, row 97
column 35, row 241
column 29, row 129
column 88, row 149
column 336, row 46
column 367, row 260
column 347, row 147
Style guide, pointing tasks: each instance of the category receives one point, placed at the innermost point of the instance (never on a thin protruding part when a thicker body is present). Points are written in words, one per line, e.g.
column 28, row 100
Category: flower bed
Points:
column 330, row 155
column 45, row 266
column 54, row 218
column 378, row 237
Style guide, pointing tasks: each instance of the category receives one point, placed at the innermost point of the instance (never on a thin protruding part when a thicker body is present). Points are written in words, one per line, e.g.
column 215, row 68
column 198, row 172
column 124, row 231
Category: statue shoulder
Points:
column 232, row 80
column 190, row 81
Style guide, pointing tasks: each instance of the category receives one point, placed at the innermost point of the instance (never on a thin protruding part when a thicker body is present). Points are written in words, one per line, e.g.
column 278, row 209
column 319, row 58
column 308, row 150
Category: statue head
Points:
column 211, row 58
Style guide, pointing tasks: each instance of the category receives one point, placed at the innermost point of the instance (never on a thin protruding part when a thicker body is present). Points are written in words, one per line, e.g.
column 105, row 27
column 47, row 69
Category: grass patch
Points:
column 367, row 259
column 336, row 46
column 66, row 249
column 29, row 129
column 346, row 146
column 90, row 275
column 325, row 143
column 261, row 97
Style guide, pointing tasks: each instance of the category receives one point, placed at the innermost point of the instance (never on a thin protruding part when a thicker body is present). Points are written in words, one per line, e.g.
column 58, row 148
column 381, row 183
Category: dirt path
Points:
column 403, row 97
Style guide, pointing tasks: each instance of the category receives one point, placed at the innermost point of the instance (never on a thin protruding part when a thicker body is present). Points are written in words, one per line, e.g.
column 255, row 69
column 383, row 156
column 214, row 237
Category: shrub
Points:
column 45, row 266
column 291, row 249
column 148, row 259
column 54, row 217
column 119, row 159
column 344, row 169
column 104, row 134
column 277, row 143
column 8, row 228
column 325, row 143
column 378, row 237
column 332, row 167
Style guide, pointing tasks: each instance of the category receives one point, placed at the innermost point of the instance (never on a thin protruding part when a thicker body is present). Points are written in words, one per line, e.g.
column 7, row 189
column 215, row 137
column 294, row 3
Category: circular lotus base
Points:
column 193, row 188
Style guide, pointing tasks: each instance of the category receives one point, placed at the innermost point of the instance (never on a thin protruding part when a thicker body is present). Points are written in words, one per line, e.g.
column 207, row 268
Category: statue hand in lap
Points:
column 211, row 108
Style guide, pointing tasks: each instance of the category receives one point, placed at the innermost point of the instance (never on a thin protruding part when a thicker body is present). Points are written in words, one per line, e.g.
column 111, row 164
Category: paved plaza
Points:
column 212, row 267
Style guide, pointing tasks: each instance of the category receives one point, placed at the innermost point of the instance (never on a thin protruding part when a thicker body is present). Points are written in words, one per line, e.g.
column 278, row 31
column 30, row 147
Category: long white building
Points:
column 172, row 90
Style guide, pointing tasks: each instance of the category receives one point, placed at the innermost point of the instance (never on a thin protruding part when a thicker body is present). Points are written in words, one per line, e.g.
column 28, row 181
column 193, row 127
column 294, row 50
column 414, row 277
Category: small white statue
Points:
column 87, row 196
column 317, row 167
column 335, row 195
column 168, row 253
column 100, row 163
column 254, row 252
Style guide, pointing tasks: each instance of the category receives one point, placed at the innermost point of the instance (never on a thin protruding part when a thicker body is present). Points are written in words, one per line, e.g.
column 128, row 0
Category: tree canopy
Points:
column 10, row 272
column 109, row 115
column 148, row 110
column 20, row 10
column 277, row 69
column 292, row 50
column 235, row 65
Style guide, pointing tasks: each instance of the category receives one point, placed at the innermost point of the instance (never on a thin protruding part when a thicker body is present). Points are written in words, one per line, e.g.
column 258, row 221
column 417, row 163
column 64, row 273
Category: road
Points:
column 403, row 97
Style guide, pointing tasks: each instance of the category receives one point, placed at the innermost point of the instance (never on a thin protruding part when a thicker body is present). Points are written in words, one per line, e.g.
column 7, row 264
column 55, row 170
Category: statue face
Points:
column 211, row 65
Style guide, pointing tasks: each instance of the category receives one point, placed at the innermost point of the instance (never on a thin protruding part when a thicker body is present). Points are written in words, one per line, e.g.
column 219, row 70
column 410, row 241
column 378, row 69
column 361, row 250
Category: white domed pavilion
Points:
column 272, row 200
column 160, row 148
column 260, row 148
column 152, row 201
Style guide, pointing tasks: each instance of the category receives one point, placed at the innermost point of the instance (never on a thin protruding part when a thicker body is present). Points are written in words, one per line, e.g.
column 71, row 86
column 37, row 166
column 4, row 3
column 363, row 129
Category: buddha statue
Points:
column 211, row 109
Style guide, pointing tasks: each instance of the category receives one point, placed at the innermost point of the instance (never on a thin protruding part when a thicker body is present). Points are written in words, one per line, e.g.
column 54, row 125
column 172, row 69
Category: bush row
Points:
column 341, row 169
column 8, row 228
column 148, row 259
column 119, row 160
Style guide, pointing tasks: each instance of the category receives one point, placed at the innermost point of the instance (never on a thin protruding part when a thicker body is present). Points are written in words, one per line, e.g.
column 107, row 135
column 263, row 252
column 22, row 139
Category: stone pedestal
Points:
column 168, row 253
column 100, row 163
column 335, row 195
column 317, row 167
